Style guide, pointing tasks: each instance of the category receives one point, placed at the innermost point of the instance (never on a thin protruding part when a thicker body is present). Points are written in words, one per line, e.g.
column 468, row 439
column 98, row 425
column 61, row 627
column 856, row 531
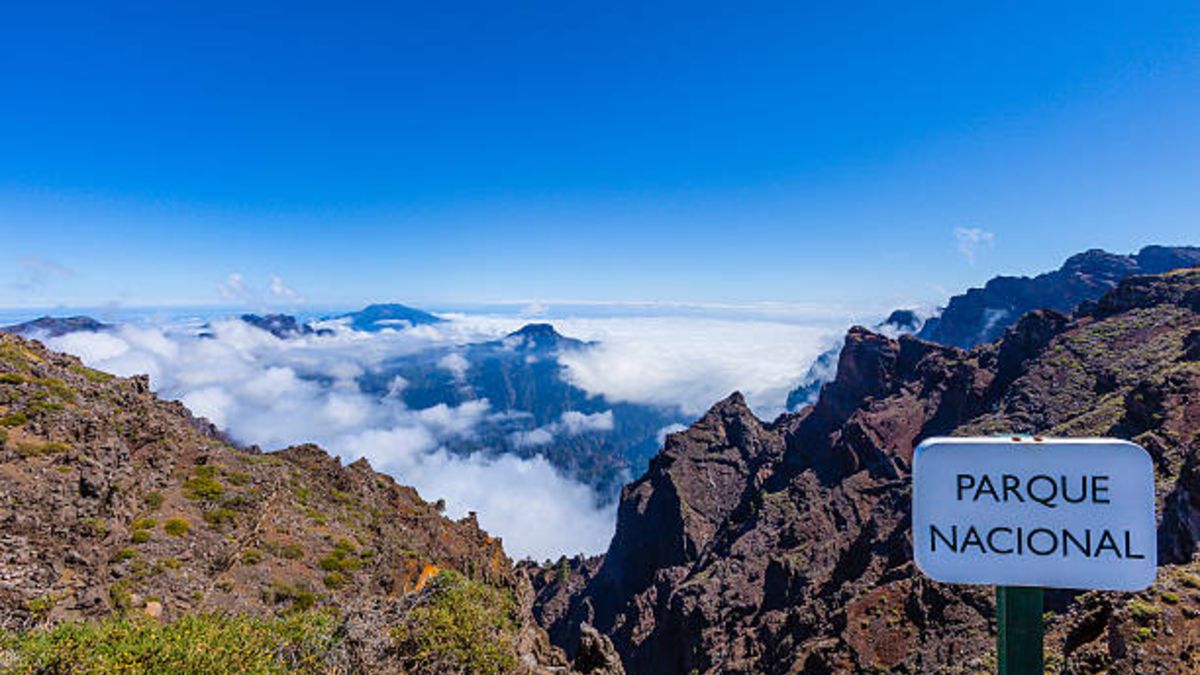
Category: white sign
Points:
column 1062, row 513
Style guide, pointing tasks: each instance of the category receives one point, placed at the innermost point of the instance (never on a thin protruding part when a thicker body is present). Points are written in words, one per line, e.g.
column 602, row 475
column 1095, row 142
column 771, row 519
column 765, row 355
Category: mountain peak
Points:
column 53, row 326
column 536, row 330
column 282, row 326
column 538, row 336
column 378, row 316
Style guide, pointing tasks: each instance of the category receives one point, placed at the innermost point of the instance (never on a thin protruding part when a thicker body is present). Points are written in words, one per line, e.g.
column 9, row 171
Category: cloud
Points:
column 692, row 362
column 275, row 393
column 234, row 287
column 574, row 423
column 456, row 363
column 570, row 423
column 34, row 273
column 972, row 240
column 282, row 291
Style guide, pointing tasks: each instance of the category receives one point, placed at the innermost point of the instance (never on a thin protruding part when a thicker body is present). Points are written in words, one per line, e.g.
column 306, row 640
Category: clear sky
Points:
column 448, row 152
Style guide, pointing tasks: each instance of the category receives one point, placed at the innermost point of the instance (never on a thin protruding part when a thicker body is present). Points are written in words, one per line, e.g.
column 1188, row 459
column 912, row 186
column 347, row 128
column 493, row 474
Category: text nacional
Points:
column 1066, row 513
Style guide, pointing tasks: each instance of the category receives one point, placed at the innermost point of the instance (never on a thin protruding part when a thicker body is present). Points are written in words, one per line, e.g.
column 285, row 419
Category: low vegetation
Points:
column 458, row 626
column 298, row 643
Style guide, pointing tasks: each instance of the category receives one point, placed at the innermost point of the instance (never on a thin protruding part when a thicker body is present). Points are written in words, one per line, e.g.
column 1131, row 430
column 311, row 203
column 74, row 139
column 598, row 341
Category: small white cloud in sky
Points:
column 234, row 287
column 282, row 291
column 972, row 240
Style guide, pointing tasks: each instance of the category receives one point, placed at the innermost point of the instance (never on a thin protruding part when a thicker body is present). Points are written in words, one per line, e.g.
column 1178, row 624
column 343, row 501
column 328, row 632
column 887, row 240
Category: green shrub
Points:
column 292, row 552
column 299, row 596
column 144, row 524
column 220, row 517
column 238, row 477
column 96, row 527
column 176, row 527
column 334, row 580
column 34, row 449
column 1143, row 612
column 14, row 420
column 153, row 500
column 252, row 556
column 196, row 643
column 58, row 388
column 40, row 606
column 38, row 408
column 459, row 626
column 91, row 375
column 343, row 558
column 125, row 554
column 203, row 487
column 120, row 596
column 140, row 536
column 1170, row 598
column 11, row 378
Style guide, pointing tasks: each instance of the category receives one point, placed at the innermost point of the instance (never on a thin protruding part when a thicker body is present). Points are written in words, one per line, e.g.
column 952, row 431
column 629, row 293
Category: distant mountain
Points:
column 50, row 326
column 282, row 326
column 899, row 322
column 982, row 314
column 378, row 317
column 903, row 321
column 538, row 411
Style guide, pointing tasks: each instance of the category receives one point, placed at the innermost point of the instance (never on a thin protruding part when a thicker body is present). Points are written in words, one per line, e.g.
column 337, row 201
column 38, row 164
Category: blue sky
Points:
column 447, row 153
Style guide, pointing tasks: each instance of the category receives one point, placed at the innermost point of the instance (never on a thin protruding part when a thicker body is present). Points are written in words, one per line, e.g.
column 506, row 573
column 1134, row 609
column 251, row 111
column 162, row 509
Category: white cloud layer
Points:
column 693, row 362
column 274, row 393
column 253, row 385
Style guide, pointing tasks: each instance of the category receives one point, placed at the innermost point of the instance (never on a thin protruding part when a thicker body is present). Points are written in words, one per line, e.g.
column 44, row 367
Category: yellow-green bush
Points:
column 176, row 527
column 459, row 626
column 195, row 644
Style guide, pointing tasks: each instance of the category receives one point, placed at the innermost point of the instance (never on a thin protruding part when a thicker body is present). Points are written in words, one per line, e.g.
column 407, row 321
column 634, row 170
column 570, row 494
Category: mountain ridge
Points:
column 803, row 563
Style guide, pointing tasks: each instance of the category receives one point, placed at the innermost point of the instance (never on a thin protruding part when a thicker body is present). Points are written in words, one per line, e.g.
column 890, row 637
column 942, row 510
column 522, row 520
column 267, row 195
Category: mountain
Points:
column 824, row 367
column 374, row 318
column 538, row 411
column 982, row 314
column 118, row 504
column 785, row 546
column 282, row 326
column 50, row 326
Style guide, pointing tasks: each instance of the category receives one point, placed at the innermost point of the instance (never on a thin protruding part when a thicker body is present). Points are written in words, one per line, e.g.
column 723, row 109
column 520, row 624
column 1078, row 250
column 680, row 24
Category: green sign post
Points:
column 1019, row 630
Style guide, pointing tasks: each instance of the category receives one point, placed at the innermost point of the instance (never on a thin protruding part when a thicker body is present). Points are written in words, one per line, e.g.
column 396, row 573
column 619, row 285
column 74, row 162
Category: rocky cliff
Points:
column 117, row 503
column 784, row 546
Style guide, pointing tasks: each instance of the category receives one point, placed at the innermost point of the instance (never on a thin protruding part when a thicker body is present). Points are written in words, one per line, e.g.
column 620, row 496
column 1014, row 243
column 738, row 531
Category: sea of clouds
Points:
column 272, row 392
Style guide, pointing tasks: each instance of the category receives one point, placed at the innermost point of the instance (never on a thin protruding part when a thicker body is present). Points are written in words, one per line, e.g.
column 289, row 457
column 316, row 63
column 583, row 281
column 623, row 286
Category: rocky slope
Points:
column 114, row 501
column 785, row 547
